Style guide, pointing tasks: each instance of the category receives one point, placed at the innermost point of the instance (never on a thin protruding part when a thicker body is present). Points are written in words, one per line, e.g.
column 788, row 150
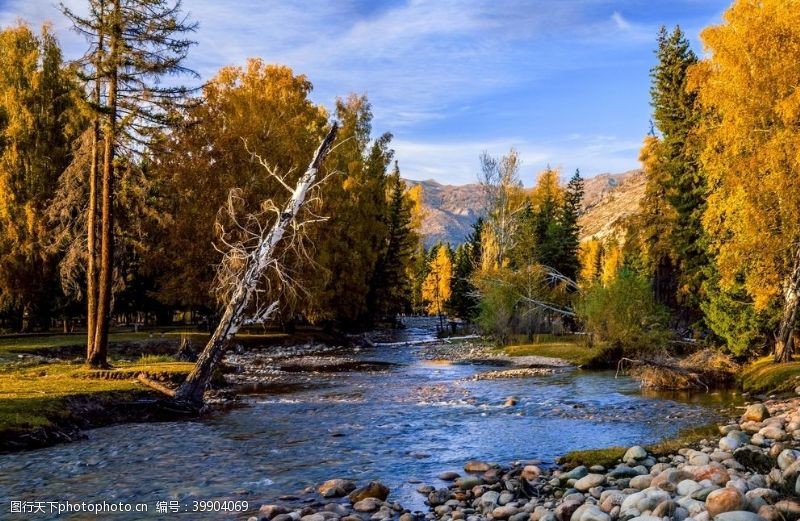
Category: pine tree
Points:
column 463, row 299
column 568, row 263
column 134, row 43
column 676, row 116
column 348, row 246
column 390, row 291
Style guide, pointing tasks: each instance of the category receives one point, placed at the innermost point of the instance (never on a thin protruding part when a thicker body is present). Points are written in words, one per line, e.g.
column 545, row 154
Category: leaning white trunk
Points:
column 784, row 348
column 242, row 296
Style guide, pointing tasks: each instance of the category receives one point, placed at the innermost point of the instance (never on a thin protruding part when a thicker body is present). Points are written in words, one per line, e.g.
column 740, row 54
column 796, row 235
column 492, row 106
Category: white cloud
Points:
column 620, row 21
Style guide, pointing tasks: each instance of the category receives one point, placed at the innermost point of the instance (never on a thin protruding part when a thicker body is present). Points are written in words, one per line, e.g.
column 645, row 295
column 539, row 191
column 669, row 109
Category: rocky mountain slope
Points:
column 608, row 200
column 450, row 210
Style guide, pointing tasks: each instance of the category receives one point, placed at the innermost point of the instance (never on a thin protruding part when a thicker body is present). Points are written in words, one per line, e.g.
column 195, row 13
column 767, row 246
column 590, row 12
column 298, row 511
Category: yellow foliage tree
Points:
column 436, row 288
column 749, row 88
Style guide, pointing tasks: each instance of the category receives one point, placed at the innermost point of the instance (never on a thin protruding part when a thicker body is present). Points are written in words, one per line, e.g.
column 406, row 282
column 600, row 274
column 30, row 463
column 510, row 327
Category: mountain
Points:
column 451, row 210
column 608, row 200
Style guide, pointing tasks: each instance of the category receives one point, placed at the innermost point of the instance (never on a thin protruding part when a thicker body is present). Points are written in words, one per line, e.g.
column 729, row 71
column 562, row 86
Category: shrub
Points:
column 623, row 312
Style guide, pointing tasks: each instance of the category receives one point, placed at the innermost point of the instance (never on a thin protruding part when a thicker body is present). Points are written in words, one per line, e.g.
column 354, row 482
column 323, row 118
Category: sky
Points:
column 565, row 82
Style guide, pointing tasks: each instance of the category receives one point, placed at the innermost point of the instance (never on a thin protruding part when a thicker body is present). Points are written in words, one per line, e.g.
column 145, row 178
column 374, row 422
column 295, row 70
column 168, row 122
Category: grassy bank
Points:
column 48, row 401
column 765, row 377
column 609, row 456
column 572, row 348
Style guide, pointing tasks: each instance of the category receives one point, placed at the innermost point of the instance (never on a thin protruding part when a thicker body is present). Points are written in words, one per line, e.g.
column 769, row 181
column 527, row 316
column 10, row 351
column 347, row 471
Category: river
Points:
column 399, row 418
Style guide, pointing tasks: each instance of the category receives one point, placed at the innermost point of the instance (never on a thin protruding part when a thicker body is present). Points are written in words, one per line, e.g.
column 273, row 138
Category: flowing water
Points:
column 401, row 420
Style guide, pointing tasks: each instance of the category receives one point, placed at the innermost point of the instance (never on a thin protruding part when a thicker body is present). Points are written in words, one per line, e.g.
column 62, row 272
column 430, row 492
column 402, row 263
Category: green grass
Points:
column 609, row 456
column 571, row 348
column 37, row 396
column 32, row 344
column 765, row 377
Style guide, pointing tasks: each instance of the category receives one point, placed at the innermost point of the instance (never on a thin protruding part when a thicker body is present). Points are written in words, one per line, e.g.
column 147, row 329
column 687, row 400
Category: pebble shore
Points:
column 749, row 473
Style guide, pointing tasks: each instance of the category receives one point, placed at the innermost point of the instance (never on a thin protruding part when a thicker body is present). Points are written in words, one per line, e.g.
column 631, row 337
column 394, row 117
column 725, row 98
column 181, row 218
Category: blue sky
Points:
column 564, row 81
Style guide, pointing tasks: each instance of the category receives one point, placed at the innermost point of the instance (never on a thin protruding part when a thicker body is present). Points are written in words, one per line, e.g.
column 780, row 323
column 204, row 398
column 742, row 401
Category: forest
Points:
column 171, row 245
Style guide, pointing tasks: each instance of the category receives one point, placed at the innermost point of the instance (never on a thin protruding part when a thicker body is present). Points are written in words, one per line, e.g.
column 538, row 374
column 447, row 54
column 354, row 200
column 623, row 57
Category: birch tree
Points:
column 249, row 262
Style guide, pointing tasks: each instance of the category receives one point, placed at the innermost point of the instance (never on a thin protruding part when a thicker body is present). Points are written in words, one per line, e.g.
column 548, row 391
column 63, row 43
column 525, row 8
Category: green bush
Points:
column 731, row 315
column 623, row 312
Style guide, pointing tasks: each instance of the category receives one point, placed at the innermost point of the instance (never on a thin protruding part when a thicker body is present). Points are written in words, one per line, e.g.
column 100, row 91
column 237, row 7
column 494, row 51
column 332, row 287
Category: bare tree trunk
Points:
column 234, row 315
column 98, row 355
column 784, row 348
column 91, row 218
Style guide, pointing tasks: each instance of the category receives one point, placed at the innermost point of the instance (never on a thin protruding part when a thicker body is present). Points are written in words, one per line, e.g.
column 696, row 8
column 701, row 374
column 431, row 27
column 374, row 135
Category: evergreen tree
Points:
column 568, row 263
column 463, row 300
column 390, row 292
column 667, row 233
column 134, row 43
column 676, row 116
column 349, row 245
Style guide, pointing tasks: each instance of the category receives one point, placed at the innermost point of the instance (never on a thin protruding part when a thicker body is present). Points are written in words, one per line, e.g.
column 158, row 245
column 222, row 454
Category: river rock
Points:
column 772, row 432
column 714, row 472
column 634, row 454
column 373, row 489
column 504, row 512
column 476, row 466
column 468, row 482
column 665, row 509
column 576, row 473
column 698, row 458
column 589, row 481
column 727, row 443
column 449, row 475
column 425, row 489
column 592, row 513
column 270, row 511
column 489, row 499
column 336, row 488
column 368, row 504
column 531, row 472
column 439, row 497
column 687, row 487
column 725, row 500
column 738, row 515
column 787, row 457
column 641, row 482
column 789, row 508
column 756, row 412
column 565, row 510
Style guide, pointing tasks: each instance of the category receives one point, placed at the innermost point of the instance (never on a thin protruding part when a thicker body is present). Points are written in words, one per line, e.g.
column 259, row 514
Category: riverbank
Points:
column 747, row 472
column 48, row 396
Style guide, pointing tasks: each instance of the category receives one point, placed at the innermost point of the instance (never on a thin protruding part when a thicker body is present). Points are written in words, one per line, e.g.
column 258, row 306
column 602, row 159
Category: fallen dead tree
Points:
column 247, row 263
column 704, row 370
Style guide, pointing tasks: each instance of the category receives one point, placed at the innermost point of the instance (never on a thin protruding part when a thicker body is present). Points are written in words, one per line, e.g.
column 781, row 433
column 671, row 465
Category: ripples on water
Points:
column 400, row 425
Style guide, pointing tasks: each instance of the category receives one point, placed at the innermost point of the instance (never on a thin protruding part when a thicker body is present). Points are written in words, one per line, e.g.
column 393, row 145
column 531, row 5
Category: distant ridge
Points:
column 451, row 210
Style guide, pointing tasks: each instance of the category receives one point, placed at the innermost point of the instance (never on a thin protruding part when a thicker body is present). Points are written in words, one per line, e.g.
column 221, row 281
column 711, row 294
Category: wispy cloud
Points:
column 450, row 78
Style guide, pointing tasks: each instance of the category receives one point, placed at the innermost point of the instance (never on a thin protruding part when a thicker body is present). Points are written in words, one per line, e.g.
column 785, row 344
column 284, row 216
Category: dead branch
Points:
column 163, row 389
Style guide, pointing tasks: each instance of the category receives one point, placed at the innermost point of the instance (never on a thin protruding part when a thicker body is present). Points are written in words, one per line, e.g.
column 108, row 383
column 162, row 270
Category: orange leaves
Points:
column 749, row 90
